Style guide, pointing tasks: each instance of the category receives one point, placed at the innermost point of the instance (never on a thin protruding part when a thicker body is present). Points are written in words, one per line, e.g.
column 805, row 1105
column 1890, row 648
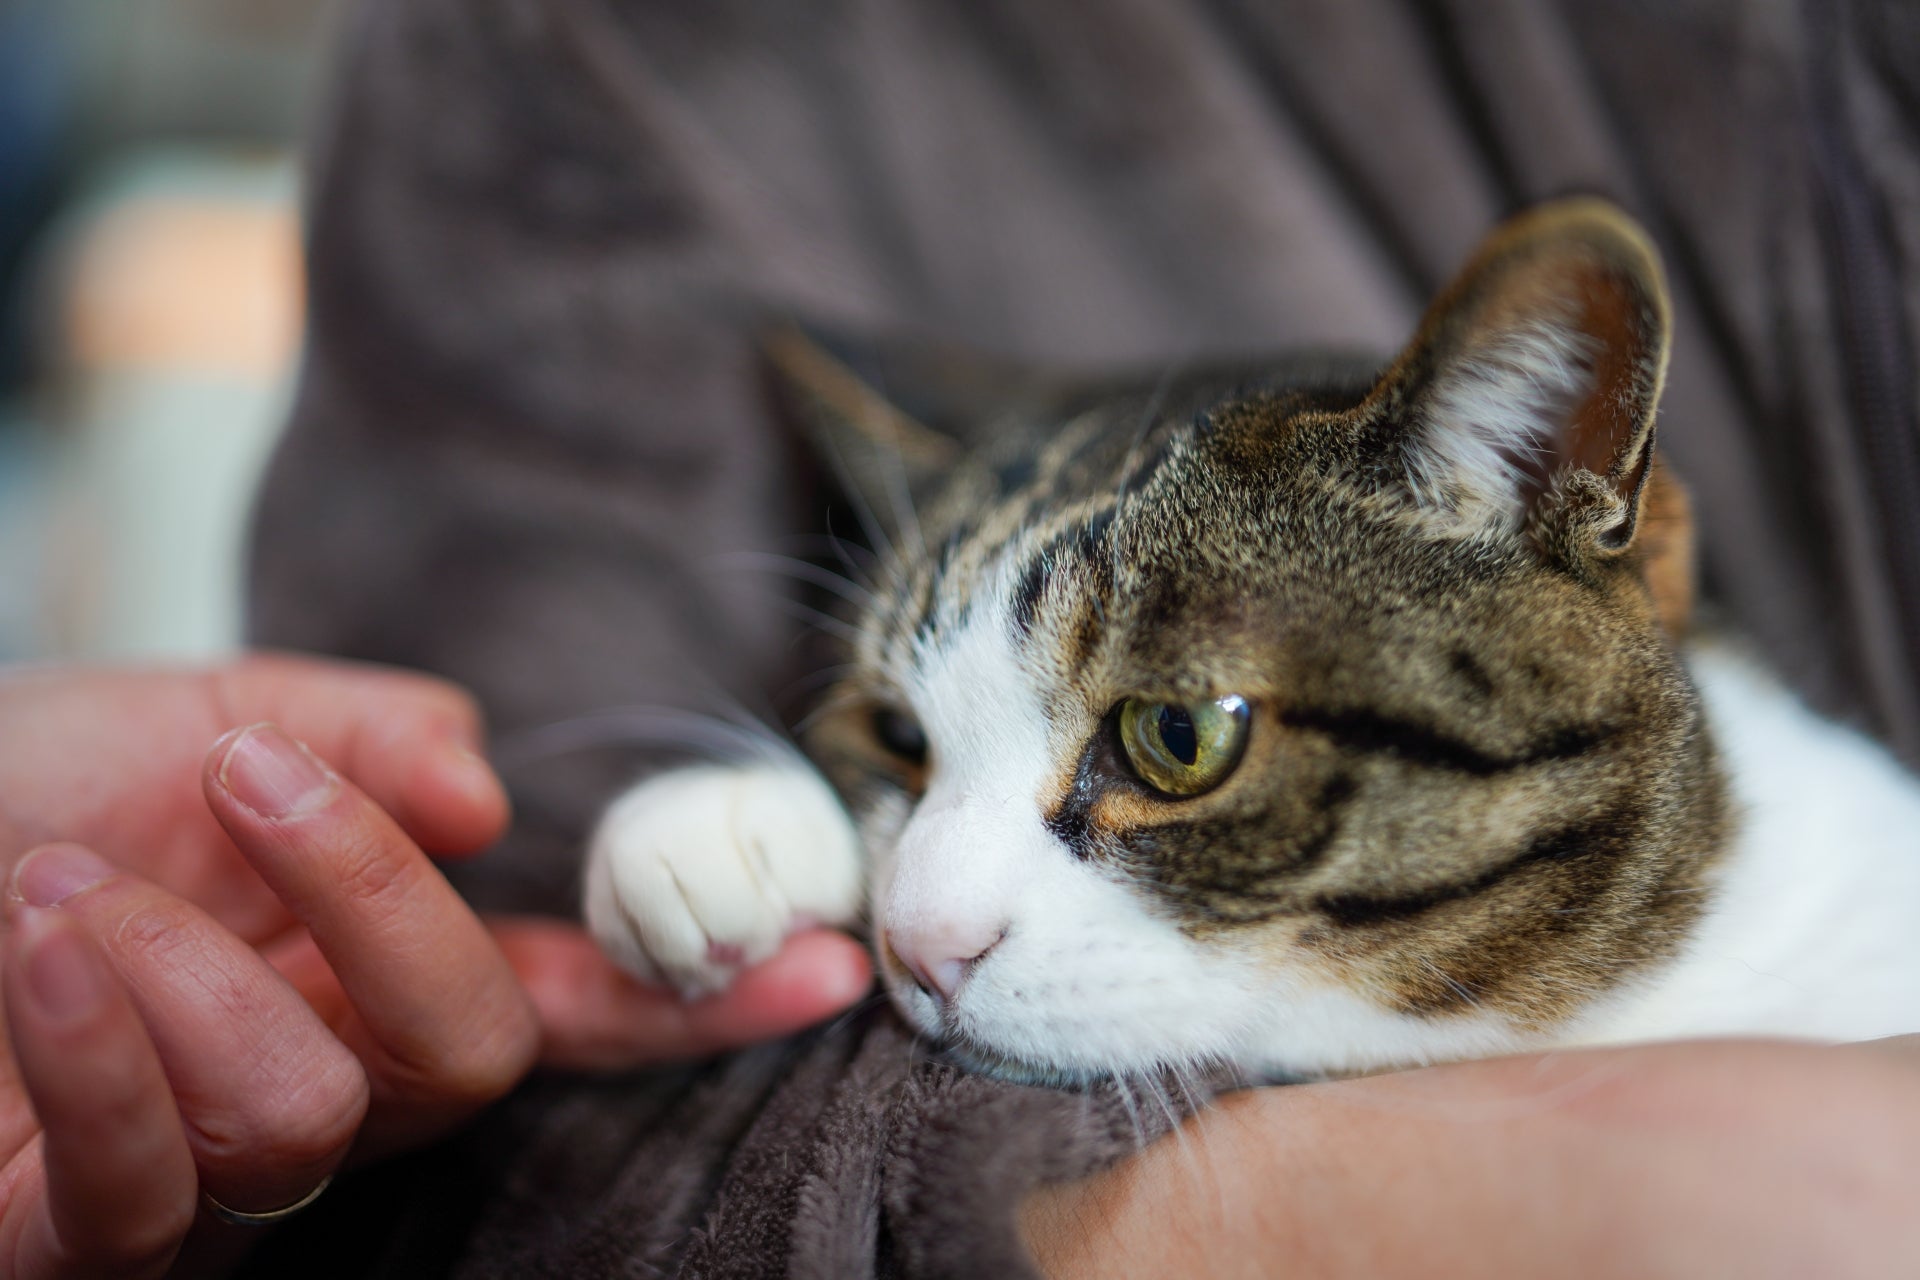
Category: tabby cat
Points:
column 1305, row 719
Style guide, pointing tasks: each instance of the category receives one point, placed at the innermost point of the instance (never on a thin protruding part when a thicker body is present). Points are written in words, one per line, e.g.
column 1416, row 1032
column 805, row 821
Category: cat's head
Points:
column 1301, row 718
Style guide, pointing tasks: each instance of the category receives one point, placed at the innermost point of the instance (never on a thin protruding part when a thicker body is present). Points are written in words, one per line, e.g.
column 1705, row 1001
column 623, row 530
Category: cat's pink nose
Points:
column 941, row 953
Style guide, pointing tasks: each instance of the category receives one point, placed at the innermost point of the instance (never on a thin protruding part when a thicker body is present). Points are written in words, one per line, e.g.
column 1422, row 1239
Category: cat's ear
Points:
column 889, row 417
column 1526, row 400
column 876, row 449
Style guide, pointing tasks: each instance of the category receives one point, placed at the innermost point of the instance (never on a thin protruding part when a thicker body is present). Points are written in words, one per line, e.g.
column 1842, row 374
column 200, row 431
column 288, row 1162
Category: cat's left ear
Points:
column 1526, row 400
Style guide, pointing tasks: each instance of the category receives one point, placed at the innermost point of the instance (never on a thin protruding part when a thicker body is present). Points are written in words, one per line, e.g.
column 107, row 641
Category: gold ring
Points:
column 233, row 1217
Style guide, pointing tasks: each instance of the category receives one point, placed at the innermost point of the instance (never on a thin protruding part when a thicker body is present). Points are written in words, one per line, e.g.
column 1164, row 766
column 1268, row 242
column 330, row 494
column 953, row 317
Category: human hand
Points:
column 1749, row 1158
column 258, row 980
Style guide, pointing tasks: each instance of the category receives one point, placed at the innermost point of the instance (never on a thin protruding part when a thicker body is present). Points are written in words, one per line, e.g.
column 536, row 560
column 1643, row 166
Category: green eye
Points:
column 1184, row 750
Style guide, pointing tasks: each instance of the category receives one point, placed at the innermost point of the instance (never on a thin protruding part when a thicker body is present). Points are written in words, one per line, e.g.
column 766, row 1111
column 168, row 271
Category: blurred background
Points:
column 150, row 301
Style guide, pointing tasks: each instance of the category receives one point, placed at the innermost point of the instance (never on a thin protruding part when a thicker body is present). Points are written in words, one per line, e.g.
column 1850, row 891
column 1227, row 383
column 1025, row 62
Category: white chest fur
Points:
column 1814, row 929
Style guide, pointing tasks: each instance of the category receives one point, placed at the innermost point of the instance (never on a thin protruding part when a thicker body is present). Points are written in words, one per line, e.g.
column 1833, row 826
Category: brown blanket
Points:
column 544, row 232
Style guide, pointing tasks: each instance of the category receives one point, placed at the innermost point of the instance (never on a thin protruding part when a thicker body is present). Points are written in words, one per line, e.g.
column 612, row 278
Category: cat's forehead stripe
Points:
column 1047, row 506
column 1079, row 545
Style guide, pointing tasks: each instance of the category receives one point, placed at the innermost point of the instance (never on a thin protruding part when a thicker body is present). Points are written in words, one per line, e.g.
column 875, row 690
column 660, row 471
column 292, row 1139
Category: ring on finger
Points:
column 236, row 1218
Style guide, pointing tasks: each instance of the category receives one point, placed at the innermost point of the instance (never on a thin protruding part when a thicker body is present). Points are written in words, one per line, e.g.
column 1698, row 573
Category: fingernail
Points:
column 275, row 776
column 47, row 877
column 63, row 975
column 472, row 764
column 475, row 773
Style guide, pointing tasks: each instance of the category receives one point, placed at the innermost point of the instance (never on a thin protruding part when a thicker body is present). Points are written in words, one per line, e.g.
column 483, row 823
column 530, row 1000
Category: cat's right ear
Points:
column 873, row 446
column 890, row 417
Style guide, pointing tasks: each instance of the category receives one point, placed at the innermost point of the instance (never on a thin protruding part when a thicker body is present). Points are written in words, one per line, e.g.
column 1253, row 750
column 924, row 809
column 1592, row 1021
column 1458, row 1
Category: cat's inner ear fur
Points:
column 1526, row 400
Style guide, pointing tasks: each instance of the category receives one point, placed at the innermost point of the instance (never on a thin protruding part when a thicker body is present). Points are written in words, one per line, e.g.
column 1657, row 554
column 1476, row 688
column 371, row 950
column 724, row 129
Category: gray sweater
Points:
column 544, row 233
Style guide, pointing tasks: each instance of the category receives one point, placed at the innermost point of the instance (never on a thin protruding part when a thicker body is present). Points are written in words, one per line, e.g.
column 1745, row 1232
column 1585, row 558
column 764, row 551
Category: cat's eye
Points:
column 1184, row 749
column 901, row 735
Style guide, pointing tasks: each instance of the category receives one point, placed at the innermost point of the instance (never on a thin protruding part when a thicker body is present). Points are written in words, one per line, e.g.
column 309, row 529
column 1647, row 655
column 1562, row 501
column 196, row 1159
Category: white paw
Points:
column 697, row 873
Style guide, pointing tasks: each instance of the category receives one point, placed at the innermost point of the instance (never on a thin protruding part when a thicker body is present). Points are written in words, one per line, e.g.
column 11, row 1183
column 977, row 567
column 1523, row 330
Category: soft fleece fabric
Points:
column 545, row 231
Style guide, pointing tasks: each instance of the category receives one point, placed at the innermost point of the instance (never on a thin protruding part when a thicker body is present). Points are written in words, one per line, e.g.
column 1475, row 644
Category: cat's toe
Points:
column 698, row 873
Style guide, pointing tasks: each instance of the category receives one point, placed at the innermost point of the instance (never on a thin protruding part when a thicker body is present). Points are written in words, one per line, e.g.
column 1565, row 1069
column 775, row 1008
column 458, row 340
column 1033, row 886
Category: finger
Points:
column 446, row 1025
column 1902, row 1049
column 117, row 1189
column 411, row 741
column 17, row 1123
column 595, row 1017
column 270, row 1098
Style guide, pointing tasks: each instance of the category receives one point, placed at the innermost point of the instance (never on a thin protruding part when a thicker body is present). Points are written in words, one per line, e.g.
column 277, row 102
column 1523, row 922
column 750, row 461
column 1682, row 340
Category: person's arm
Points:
column 1715, row 1158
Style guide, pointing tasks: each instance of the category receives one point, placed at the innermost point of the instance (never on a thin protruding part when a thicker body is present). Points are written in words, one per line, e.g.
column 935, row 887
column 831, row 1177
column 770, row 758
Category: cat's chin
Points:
column 1193, row 1082
column 968, row 1052
column 982, row 1060
column 948, row 1043
column 949, row 1040
column 1334, row 1037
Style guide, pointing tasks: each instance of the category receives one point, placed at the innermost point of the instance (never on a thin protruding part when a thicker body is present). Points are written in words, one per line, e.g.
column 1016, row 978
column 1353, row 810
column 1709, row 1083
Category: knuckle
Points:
column 496, row 1062
column 484, row 1065
column 147, row 929
column 157, row 934
column 304, row 1120
column 146, row 1241
column 371, row 872
column 323, row 1113
column 441, row 700
column 142, row 1242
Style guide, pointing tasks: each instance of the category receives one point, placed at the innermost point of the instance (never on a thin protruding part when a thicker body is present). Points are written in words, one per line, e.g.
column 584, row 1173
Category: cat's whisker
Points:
column 1197, row 1100
column 1157, row 1091
column 1123, row 1089
column 838, row 628
column 1085, row 1101
column 1150, row 1082
column 863, row 512
column 863, row 564
column 684, row 731
column 1148, row 417
column 1189, row 1155
column 799, row 570
column 1198, row 1155
column 856, row 1010
column 731, row 710
column 916, row 1048
column 814, row 681
column 859, row 560
column 826, row 708
column 1460, row 989
column 900, row 496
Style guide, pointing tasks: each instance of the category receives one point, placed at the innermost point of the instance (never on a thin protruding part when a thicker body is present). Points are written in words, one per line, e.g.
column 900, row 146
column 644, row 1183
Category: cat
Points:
column 1304, row 719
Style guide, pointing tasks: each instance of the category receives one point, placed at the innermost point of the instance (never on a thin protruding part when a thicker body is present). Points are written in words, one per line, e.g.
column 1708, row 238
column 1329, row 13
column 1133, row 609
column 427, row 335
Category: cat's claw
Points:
column 698, row 873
